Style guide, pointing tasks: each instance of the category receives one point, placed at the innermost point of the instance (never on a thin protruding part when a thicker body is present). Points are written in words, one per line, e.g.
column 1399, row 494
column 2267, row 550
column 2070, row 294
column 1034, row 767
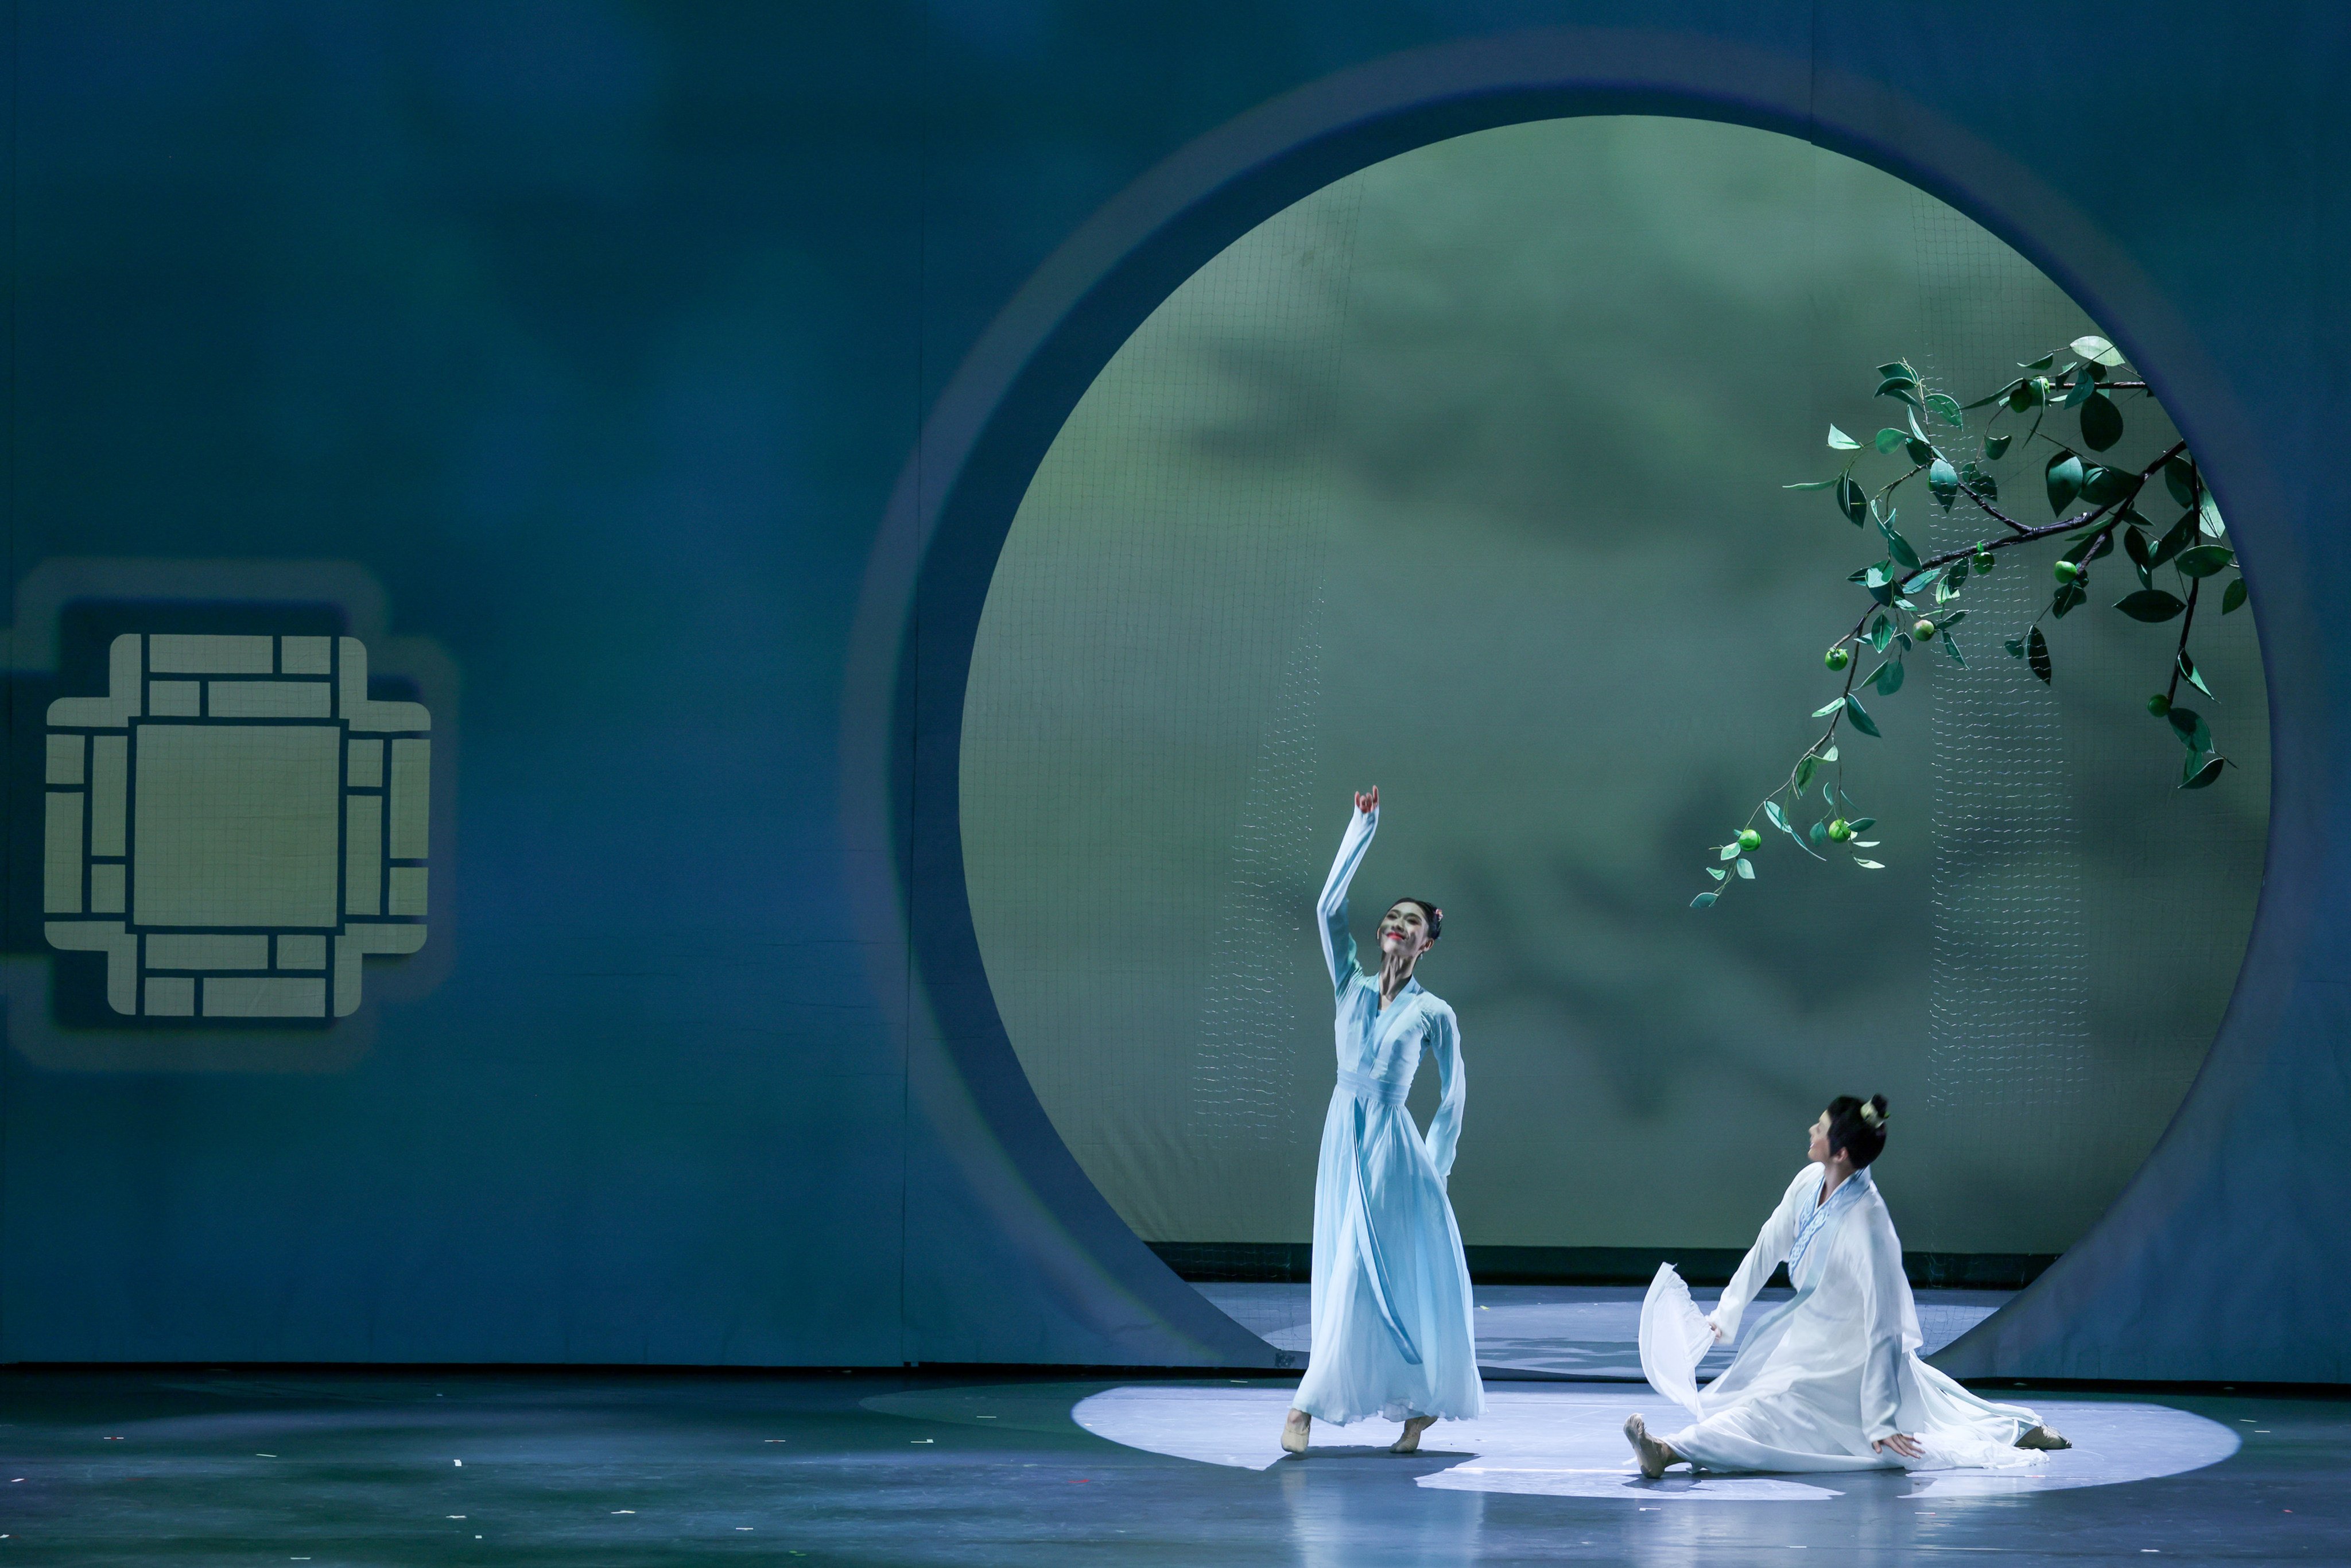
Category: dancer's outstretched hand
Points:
column 1901, row 1443
column 1370, row 802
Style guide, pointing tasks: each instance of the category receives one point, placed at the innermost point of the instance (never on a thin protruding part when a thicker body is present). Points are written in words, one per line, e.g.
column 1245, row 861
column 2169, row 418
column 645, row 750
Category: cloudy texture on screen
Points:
column 1463, row 477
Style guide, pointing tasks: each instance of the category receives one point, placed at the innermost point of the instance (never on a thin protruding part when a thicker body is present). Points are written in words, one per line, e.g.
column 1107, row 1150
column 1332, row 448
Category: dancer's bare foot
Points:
column 1413, row 1427
column 1652, row 1456
column 2043, row 1438
column 1294, row 1430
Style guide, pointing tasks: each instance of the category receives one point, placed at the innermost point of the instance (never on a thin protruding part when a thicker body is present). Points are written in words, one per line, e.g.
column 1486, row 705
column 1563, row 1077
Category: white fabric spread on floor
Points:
column 1566, row 1441
column 1572, row 1331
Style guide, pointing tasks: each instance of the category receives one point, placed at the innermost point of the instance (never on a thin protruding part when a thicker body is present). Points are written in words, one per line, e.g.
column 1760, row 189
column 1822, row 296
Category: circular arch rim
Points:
column 928, row 579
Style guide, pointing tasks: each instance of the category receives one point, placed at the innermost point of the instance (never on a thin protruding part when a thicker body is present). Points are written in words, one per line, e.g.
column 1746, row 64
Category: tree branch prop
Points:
column 1914, row 601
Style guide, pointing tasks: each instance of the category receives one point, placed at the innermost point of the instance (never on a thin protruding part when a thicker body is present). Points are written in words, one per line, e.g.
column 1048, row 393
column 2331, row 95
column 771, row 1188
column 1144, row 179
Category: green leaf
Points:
column 1806, row 766
column 1704, row 901
column 1952, row 647
column 2043, row 364
column 2180, row 478
column 2015, row 646
column 1899, row 370
column 1830, row 755
column 1729, row 851
column 1976, row 479
column 1881, row 633
column 1899, row 387
column 2234, row 597
column 2101, row 421
column 2198, row 777
column 2097, row 350
column 1800, row 841
column 1862, row 824
column 1746, row 868
column 2064, row 478
column 2085, row 384
column 2068, row 598
column 1716, row 872
column 1829, row 707
column 2151, row 605
column 1868, row 865
column 2100, row 485
column 2188, row 668
column 2204, row 559
column 1842, row 442
column 2135, row 546
column 2027, row 394
column 1947, row 409
column 1852, row 500
column 2090, row 544
column 2209, row 518
column 2181, row 534
column 1917, row 451
column 1859, row 714
column 1996, row 447
column 1900, row 546
column 1943, row 481
column 2036, row 653
column 1887, row 677
column 1812, row 484
column 2190, row 726
column 1889, row 438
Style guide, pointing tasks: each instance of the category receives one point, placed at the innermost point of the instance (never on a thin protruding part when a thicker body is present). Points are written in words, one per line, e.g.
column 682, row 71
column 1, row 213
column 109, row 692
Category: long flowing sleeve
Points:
column 1337, row 941
column 1771, row 1248
column 1891, row 1318
column 1452, row 1088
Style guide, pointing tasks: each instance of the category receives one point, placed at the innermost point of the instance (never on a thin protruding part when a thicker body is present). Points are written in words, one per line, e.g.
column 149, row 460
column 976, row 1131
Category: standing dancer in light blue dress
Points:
column 1391, row 1296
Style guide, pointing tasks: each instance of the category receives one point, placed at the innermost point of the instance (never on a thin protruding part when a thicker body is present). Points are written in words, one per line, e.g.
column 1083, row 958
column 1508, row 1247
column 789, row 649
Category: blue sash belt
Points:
column 1363, row 1086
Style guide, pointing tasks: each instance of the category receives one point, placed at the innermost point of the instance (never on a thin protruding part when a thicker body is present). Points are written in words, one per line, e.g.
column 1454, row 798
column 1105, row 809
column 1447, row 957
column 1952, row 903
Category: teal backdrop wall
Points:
column 646, row 391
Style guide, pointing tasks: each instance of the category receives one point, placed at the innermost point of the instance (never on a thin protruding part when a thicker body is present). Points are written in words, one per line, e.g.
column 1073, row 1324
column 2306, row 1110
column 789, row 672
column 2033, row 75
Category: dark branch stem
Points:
column 2024, row 534
column 2180, row 661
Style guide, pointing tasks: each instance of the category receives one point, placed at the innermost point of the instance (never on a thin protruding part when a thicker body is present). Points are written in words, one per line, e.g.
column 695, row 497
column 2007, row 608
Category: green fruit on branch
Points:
column 2158, row 704
column 1924, row 632
column 1984, row 561
column 1748, row 838
column 2067, row 572
column 1838, row 658
column 1839, row 831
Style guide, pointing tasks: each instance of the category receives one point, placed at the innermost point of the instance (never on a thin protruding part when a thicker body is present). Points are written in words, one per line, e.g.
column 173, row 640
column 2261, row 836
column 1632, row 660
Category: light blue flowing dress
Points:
column 1392, row 1334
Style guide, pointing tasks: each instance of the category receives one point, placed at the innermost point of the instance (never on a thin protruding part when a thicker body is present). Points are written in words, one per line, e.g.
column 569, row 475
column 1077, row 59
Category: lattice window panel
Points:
column 236, row 825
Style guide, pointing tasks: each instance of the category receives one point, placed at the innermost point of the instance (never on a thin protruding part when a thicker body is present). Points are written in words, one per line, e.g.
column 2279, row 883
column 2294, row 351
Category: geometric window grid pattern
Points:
column 236, row 825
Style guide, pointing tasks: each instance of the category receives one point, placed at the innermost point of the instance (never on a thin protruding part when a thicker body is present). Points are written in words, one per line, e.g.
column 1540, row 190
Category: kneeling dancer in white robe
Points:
column 1831, row 1380
column 1392, row 1333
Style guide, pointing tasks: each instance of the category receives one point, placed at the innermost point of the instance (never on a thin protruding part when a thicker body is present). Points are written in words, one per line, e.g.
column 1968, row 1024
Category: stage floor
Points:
column 1569, row 1331
column 253, row 1467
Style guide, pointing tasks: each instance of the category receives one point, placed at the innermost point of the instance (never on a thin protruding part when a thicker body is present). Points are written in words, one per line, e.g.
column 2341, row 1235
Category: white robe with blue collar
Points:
column 1835, row 1369
column 1391, row 1328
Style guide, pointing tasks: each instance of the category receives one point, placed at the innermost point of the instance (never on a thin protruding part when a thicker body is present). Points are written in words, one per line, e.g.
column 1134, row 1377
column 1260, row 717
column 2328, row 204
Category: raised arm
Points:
column 1771, row 1250
column 1338, row 942
column 1452, row 1088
